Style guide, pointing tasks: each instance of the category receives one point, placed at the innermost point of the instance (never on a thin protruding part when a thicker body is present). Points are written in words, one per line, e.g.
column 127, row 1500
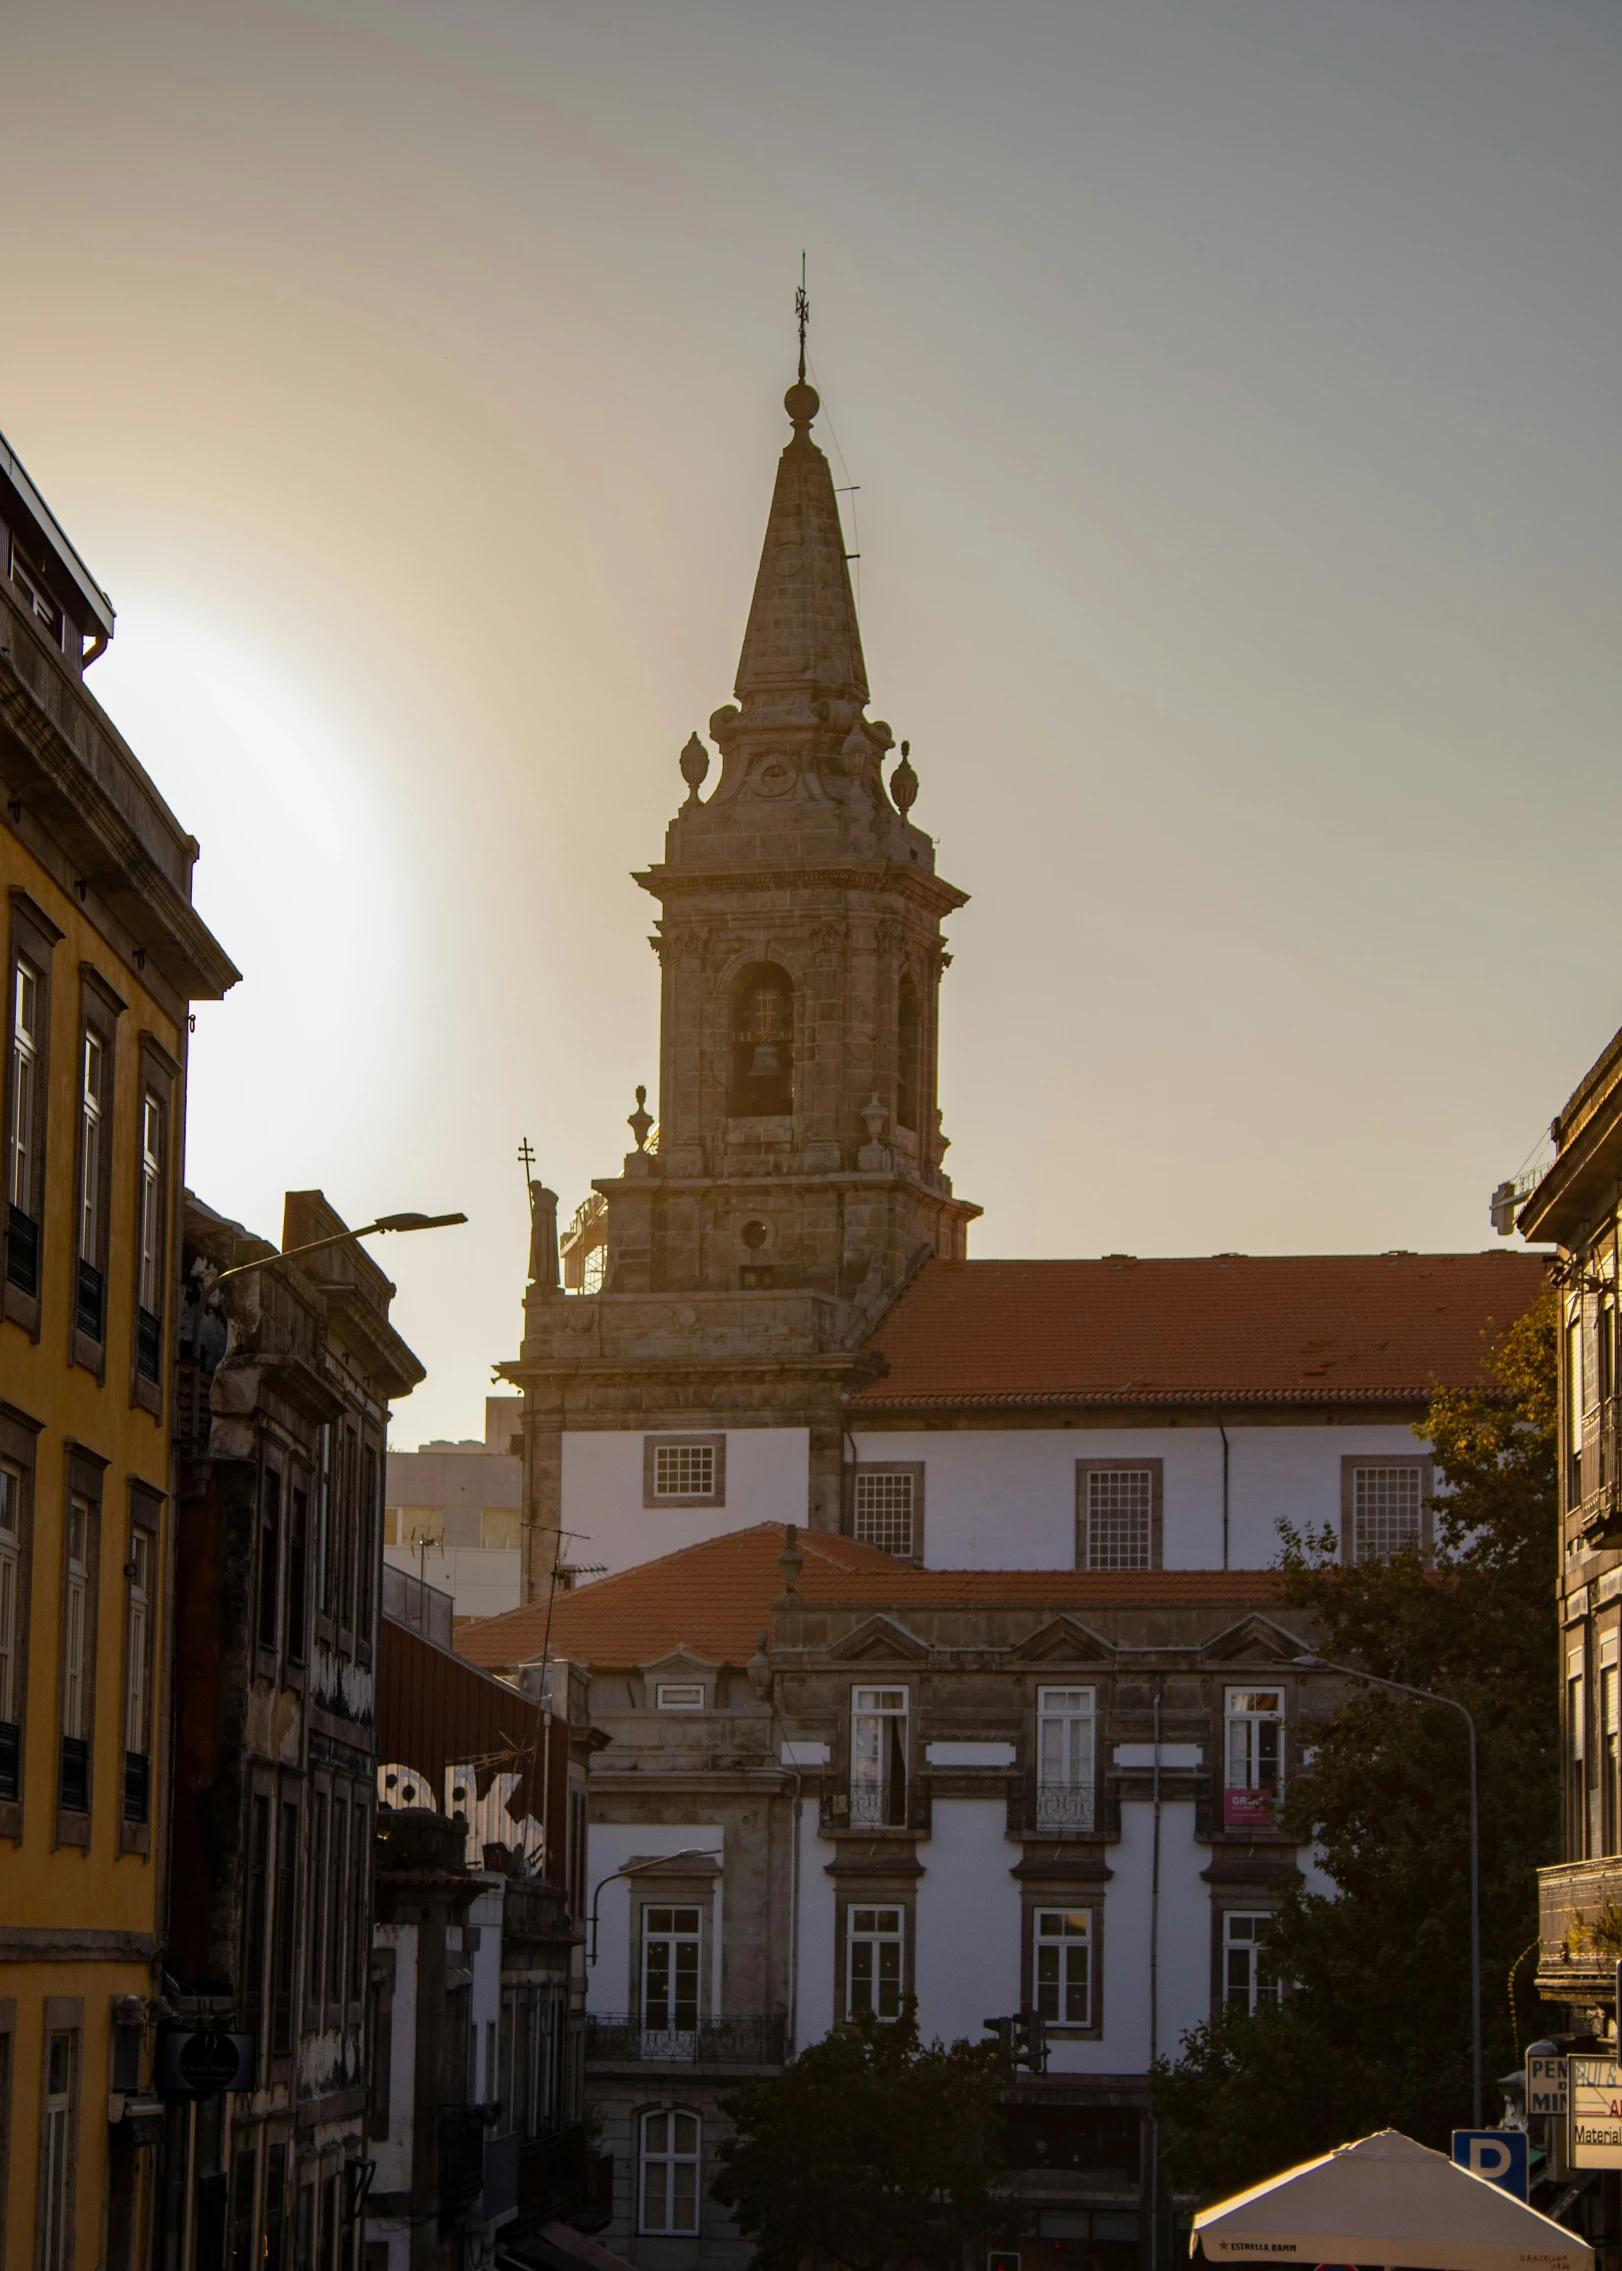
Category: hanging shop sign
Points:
column 1595, row 2091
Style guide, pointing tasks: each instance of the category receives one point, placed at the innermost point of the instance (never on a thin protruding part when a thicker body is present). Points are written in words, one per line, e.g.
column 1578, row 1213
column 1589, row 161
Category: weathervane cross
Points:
column 802, row 311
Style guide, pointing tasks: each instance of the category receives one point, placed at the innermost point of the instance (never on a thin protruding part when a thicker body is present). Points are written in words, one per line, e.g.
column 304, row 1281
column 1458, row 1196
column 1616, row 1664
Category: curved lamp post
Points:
column 635, row 1869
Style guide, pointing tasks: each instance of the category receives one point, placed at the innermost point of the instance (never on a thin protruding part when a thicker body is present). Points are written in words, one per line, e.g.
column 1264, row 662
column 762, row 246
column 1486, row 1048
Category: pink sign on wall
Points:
column 1247, row 1809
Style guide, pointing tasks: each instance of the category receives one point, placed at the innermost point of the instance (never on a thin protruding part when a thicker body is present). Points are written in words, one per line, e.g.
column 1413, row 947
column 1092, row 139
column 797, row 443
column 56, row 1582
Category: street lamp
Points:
column 384, row 1222
column 635, row 1869
column 1428, row 1695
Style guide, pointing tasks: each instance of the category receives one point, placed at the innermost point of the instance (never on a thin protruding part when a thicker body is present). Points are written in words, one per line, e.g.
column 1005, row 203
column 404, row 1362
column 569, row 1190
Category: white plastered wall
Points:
column 768, row 1479
column 1005, row 1498
column 968, row 1920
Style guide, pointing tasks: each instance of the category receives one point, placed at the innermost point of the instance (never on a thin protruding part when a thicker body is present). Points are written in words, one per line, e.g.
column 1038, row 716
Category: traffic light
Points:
column 1031, row 2036
column 1003, row 2029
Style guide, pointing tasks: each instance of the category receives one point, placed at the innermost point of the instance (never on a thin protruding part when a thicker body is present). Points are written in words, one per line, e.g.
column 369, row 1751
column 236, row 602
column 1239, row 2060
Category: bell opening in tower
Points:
column 907, row 1058
column 762, row 1084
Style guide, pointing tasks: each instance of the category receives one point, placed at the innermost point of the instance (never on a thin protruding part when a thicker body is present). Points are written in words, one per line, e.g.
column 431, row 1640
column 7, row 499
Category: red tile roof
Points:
column 1230, row 1329
column 714, row 1598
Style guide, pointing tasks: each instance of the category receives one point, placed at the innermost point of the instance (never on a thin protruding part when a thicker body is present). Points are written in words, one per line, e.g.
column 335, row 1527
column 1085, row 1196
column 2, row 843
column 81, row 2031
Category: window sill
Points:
column 92, row 1355
column 21, row 1309
column 135, row 1837
column 11, row 1819
column 147, row 1395
column 72, row 1829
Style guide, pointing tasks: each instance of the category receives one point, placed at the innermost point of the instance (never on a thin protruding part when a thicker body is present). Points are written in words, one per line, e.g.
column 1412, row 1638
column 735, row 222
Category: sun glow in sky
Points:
column 1232, row 392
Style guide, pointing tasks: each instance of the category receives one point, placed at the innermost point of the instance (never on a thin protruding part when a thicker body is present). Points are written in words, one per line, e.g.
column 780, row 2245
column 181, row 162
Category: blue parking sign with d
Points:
column 1500, row 2155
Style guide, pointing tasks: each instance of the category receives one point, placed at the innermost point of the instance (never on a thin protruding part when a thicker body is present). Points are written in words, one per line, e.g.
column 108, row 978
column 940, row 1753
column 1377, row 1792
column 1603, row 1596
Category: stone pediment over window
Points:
column 880, row 1639
column 680, row 1659
column 1256, row 1639
column 1063, row 1639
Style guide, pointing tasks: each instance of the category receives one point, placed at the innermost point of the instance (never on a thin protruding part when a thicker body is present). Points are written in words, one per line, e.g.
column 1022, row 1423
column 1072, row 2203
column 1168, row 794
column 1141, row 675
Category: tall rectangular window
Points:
column 270, row 1551
column 672, row 1945
column 1608, row 1733
column 684, row 1470
column 1066, row 1739
column 885, row 1509
column 24, row 1097
column 256, row 1918
column 139, row 1605
column 878, row 1757
column 282, row 1941
column 874, row 1948
column 11, row 1609
column 1387, row 1511
column 669, row 2188
column 1577, row 1816
column 74, row 1794
column 1254, row 1783
column 56, row 2208
column 95, row 1103
column 336, row 1913
column 1247, row 1976
column 149, row 1236
column 1063, row 1966
column 1118, row 1514
column 366, row 1546
column 298, row 1571
column 315, row 1951
column 1574, row 1408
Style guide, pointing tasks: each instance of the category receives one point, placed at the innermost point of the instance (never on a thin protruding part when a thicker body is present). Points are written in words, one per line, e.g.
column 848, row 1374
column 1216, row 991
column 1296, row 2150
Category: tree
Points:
column 1376, row 2027
column 871, row 2149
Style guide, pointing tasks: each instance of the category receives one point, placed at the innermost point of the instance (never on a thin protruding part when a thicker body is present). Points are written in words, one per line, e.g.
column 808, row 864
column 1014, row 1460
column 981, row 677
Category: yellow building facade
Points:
column 104, row 953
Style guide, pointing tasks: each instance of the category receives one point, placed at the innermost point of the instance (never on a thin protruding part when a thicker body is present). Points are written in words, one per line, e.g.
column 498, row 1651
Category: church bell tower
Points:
column 796, row 1180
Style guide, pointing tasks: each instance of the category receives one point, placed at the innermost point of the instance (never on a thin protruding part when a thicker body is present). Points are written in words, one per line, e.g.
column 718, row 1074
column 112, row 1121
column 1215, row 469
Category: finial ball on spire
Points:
column 802, row 403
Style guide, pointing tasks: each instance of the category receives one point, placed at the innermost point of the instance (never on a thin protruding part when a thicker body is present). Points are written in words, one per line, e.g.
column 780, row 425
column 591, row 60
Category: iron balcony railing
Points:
column 88, row 1303
column 73, row 1794
column 748, row 2039
column 22, row 1251
column 1066, row 1806
column 137, row 1786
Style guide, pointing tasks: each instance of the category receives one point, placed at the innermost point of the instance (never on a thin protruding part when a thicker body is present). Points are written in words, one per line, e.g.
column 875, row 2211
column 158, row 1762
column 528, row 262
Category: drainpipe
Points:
column 1154, row 1997
column 1222, row 1431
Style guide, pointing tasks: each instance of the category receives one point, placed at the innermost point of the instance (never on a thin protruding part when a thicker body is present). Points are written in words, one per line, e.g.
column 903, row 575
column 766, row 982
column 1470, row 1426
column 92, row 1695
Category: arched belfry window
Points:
column 909, row 1066
column 762, row 1081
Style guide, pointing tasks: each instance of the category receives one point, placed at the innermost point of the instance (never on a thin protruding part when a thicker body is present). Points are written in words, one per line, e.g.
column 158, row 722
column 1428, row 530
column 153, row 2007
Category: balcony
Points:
column 756, row 2038
column 89, row 1299
column 148, row 1344
column 22, row 1251
column 1065, row 1809
column 1580, row 1930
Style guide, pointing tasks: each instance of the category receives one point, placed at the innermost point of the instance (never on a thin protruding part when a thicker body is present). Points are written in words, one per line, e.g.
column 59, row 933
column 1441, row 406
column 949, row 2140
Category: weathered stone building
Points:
column 800, row 947
column 286, row 1376
column 834, row 1781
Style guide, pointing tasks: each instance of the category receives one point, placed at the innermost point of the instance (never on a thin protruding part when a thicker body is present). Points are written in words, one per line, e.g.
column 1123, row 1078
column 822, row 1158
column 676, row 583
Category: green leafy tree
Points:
column 871, row 2150
column 1376, row 2028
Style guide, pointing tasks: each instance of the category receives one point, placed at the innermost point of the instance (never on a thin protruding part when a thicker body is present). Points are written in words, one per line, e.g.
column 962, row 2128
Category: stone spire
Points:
column 802, row 637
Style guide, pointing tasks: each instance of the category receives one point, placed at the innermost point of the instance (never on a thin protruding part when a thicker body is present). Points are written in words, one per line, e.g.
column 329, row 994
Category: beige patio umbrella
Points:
column 1386, row 2200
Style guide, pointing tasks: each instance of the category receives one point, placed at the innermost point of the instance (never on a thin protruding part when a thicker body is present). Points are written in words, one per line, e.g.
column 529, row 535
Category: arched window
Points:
column 909, row 1081
column 670, row 2140
column 762, row 1082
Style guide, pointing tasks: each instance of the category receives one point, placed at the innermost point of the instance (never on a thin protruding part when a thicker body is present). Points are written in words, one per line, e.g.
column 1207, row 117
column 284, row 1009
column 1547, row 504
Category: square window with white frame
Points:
column 1118, row 1514
column 1066, row 1755
column 670, row 2166
column 887, row 1509
column 1062, row 1966
column 875, row 1951
column 684, row 1470
column 1386, row 1510
column 1247, row 1976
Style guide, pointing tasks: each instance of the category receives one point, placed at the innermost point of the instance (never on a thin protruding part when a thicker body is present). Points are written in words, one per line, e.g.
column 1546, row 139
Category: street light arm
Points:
column 1311, row 1662
column 636, row 1869
column 383, row 1224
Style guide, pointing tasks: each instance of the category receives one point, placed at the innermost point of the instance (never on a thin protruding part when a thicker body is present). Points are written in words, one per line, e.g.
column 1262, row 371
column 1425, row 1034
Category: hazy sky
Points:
column 1234, row 388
